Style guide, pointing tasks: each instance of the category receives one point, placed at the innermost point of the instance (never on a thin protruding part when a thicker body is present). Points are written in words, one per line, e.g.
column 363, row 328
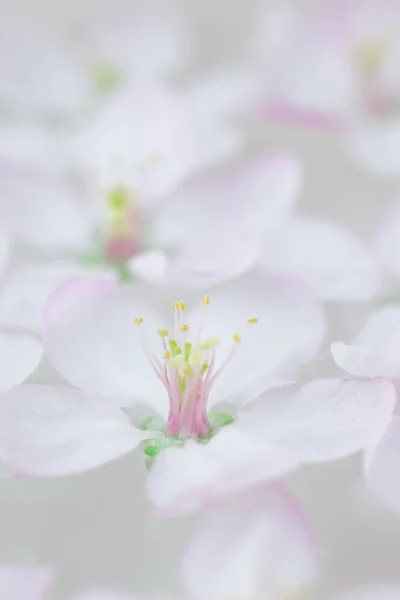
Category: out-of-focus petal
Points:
column 374, row 145
column 334, row 262
column 50, row 431
column 91, row 338
column 324, row 420
column 20, row 354
column 259, row 543
column 386, row 241
column 252, row 197
column 375, row 352
column 382, row 467
column 25, row 583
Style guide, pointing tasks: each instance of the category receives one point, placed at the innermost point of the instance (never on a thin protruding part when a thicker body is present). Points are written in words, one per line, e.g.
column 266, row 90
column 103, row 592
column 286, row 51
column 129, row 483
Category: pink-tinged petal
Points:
column 26, row 288
column 251, row 197
column 291, row 115
column 370, row 592
column 386, row 242
column 334, row 262
column 20, row 354
column 382, row 467
column 25, row 583
column 324, row 420
column 91, row 338
column 291, row 326
column 375, row 351
column 182, row 479
column 51, row 431
column 375, row 145
column 44, row 212
column 259, row 543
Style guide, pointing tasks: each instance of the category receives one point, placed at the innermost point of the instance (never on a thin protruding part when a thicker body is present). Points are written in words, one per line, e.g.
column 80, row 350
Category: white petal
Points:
column 91, row 338
column 324, row 420
column 375, row 352
column 290, row 329
column 5, row 247
column 387, row 239
column 375, row 146
column 26, row 289
column 50, row 431
column 25, row 583
column 182, row 479
column 257, row 544
column 252, row 197
column 336, row 264
column 151, row 266
column 20, row 354
column 382, row 467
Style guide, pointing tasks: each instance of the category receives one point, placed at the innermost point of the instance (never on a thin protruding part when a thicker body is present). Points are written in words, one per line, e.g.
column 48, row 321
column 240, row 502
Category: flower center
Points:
column 186, row 367
column 107, row 77
column 122, row 227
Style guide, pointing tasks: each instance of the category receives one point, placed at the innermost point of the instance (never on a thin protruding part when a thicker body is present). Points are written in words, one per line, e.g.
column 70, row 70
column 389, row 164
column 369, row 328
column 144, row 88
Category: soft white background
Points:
column 98, row 528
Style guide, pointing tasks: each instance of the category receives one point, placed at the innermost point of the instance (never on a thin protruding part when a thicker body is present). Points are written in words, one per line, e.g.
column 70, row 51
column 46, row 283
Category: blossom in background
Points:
column 58, row 77
column 133, row 155
column 115, row 350
column 335, row 68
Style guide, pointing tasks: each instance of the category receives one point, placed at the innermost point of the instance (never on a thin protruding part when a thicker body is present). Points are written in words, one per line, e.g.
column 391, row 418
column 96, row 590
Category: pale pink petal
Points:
column 25, row 583
column 20, row 354
column 334, row 262
column 91, row 338
column 375, row 351
column 50, row 431
column 370, row 592
column 26, row 288
column 382, row 467
column 252, row 197
column 258, row 543
column 386, row 242
column 375, row 145
column 324, row 420
column 290, row 329
column 182, row 479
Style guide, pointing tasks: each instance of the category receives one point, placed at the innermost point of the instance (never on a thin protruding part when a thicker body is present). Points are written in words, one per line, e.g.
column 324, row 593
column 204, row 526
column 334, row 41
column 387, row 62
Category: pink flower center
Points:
column 122, row 226
column 187, row 370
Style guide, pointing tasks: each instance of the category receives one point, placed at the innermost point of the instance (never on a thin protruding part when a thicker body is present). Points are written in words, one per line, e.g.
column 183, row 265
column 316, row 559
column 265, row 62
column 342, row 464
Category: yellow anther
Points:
column 176, row 305
column 252, row 321
column 212, row 341
column 138, row 320
column 185, row 328
column 206, row 300
column 167, row 355
column 182, row 305
column 188, row 371
column 237, row 338
column 162, row 332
